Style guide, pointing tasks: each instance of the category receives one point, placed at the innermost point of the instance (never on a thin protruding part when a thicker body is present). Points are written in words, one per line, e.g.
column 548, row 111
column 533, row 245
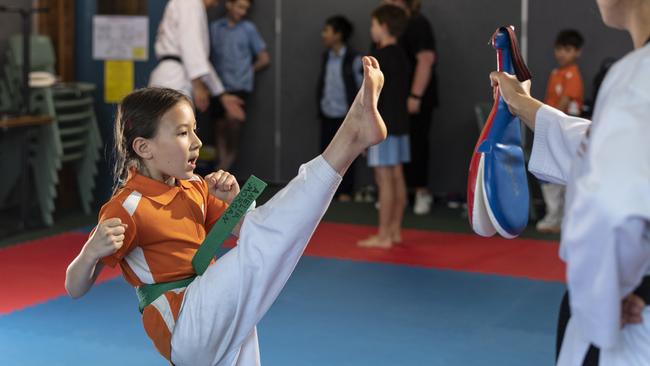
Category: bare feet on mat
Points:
column 375, row 241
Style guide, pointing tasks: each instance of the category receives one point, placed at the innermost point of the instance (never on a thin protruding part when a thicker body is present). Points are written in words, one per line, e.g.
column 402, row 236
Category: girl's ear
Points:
column 142, row 148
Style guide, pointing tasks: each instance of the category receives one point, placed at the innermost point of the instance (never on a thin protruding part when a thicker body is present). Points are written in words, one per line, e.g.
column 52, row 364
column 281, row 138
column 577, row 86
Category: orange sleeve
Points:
column 114, row 209
column 573, row 87
column 214, row 207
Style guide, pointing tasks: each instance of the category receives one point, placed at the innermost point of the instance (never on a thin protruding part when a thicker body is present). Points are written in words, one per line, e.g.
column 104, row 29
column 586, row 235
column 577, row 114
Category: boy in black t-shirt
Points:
column 388, row 22
column 420, row 45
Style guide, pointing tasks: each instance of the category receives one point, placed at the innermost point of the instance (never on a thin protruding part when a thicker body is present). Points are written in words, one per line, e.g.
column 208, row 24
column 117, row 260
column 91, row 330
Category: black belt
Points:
column 170, row 57
column 643, row 291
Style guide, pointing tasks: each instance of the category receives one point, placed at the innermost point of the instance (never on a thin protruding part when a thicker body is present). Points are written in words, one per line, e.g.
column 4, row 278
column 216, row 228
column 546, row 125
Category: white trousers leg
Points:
column 634, row 346
column 216, row 325
column 554, row 198
column 574, row 346
column 633, row 349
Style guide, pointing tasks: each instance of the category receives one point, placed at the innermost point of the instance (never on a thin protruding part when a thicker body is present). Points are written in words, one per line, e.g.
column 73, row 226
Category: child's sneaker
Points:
column 344, row 197
column 423, row 201
column 548, row 225
column 358, row 196
column 370, row 194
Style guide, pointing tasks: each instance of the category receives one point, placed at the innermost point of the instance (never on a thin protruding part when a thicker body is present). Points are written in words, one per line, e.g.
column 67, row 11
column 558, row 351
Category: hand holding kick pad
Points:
column 497, row 188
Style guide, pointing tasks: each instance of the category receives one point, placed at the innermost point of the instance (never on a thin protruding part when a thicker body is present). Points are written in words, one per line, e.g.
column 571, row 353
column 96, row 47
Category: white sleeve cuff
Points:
column 541, row 162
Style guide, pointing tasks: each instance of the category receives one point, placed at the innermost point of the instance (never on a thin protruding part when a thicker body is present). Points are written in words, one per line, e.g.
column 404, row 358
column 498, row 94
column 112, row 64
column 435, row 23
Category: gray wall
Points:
column 257, row 148
column 465, row 60
column 549, row 17
column 462, row 30
column 302, row 50
column 462, row 79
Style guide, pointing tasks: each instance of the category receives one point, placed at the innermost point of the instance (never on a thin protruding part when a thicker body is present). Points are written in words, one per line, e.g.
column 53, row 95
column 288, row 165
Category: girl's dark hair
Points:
column 138, row 116
column 341, row 25
column 414, row 5
column 393, row 16
column 569, row 38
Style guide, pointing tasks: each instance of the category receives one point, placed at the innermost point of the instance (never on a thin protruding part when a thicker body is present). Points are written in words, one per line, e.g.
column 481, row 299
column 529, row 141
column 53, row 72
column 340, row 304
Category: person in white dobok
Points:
column 606, row 167
column 182, row 48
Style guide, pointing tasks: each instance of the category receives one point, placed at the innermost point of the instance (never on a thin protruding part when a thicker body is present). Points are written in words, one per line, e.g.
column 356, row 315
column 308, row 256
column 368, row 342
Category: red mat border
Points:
column 34, row 271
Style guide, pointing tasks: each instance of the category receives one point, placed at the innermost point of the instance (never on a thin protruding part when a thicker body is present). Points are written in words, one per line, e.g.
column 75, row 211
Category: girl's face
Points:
column 614, row 12
column 210, row 3
column 237, row 9
column 566, row 55
column 175, row 147
column 329, row 36
column 377, row 31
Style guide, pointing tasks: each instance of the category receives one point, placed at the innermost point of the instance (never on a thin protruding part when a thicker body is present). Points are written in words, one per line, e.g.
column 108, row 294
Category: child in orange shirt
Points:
column 565, row 89
column 564, row 92
column 160, row 213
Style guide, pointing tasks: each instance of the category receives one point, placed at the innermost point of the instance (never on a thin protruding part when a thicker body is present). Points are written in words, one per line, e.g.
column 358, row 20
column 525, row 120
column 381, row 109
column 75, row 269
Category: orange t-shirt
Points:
column 566, row 81
column 166, row 226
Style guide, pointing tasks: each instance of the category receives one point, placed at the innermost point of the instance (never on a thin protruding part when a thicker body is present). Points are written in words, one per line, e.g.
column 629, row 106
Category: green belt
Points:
column 210, row 246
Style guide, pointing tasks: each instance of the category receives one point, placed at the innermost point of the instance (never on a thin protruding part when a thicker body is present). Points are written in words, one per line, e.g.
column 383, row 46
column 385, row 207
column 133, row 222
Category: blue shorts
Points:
column 394, row 150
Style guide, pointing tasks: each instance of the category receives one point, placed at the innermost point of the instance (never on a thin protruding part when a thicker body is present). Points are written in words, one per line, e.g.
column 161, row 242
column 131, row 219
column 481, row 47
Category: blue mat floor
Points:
column 332, row 312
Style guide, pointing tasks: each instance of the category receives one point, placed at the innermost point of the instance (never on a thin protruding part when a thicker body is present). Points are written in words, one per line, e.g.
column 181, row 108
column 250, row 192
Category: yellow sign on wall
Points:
column 118, row 80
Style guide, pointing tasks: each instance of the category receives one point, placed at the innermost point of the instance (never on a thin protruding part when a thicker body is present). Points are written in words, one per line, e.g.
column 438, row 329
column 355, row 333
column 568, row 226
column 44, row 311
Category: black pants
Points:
column 329, row 126
column 591, row 359
column 416, row 171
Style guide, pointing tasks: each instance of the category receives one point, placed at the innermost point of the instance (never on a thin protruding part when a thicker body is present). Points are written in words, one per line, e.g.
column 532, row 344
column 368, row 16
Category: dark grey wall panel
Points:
column 463, row 30
column 547, row 18
column 301, row 52
column 257, row 147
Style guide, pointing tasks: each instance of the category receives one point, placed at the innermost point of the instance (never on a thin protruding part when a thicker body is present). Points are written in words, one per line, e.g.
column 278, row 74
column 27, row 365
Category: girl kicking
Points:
column 160, row 213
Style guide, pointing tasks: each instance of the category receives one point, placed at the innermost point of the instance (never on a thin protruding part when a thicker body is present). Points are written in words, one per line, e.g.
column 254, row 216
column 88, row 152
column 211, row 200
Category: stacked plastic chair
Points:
column 10, row 148
column 497, row 187
column 79, row 135
column 72, row 137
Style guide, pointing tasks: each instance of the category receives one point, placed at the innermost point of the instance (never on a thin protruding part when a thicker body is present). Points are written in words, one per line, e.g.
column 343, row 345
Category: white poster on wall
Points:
column 120, row 37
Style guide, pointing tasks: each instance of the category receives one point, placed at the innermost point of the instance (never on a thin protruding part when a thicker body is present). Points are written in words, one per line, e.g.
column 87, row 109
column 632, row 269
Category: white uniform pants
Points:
column 633, row 349
column 554, row 198
column 216, row 325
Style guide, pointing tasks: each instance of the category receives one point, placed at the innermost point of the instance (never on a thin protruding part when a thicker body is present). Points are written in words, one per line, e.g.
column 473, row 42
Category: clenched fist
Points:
column 222, row 185
column 107, row 239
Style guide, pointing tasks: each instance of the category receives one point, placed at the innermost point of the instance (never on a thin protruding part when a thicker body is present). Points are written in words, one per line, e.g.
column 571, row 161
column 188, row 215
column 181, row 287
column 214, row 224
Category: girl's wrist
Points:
column 89, row 255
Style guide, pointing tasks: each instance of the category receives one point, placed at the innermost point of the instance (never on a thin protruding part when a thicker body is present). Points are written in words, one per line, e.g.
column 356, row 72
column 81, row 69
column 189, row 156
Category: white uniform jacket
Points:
column 183, row 32
column 606, row 231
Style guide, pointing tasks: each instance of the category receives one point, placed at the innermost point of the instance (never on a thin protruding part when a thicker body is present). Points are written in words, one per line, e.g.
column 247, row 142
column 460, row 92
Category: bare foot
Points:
column 343, row 197
column 363, row 115
column 376, row 241
column 363, row 125
column 396, row 238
